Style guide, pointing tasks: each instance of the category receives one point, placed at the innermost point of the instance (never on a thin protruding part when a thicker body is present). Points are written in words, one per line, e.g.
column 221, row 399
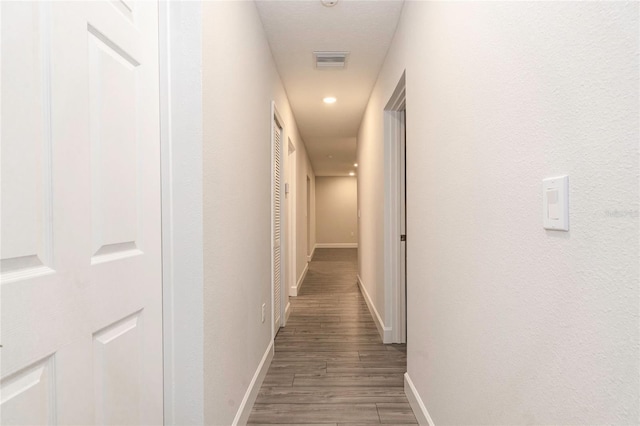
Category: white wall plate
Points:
column 555, row 203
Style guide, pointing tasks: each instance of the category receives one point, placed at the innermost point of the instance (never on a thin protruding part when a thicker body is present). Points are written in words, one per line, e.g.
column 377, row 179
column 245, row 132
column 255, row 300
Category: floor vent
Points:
column 330, row 60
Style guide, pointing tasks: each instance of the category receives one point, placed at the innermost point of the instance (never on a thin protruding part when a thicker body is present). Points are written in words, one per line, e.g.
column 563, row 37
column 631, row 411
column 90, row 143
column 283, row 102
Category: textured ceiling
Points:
column 297, row 28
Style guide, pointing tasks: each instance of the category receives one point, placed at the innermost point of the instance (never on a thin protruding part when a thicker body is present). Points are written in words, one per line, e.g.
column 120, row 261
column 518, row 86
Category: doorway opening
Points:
column 395, row 236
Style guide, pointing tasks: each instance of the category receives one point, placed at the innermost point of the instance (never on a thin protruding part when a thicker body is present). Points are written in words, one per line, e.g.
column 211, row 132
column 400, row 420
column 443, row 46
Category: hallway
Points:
column 466, row 174
column 330, row 366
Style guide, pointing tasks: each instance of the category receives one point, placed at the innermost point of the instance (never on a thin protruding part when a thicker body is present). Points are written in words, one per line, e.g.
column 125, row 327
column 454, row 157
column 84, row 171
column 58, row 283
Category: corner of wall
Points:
column 385, row 332
column 296, row 288
column 417, row 405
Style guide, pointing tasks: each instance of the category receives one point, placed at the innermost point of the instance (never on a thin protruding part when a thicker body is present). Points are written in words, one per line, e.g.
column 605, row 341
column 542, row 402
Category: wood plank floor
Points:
column 330, row 366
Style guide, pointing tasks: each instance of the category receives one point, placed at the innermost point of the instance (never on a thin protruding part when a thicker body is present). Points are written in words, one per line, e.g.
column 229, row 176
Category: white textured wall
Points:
column 239, row 83
column 336, row 209
column 370, row 185
column 509, row 323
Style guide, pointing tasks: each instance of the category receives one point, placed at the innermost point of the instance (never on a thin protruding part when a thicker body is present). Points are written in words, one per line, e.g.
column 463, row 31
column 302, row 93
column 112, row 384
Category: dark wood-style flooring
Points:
column 330, row 366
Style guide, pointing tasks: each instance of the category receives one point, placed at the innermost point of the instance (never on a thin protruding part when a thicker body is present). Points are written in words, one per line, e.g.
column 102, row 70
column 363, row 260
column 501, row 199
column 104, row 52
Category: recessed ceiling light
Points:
column 329, row 156
column 355, row 164
column 329, row 100
column 352, row 173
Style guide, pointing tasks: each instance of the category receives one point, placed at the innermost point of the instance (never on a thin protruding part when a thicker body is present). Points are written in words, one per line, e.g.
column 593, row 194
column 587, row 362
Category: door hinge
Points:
column 403, row 237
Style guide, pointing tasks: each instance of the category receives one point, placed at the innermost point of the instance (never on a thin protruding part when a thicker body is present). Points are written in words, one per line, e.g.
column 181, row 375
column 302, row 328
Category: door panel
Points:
column 28, row 396
column 112, row 117
column 277, row 225
column 80, row 270
column 116, row 360
column 26, row 160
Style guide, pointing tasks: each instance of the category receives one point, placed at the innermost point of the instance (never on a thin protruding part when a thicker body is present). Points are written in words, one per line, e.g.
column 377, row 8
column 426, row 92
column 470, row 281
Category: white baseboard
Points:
column 337, row 245
column 242, row 416
column 385, row 332
column 287, row 312
column 313, row 251
column 419, row 410
column 295, row 289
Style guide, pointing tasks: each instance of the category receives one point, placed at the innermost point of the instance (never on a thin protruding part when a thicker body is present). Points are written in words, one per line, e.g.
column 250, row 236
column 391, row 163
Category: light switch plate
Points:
column 555, row 203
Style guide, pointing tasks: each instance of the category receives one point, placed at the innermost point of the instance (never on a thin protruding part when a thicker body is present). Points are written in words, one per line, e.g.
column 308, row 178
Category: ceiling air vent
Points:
column 330, row 60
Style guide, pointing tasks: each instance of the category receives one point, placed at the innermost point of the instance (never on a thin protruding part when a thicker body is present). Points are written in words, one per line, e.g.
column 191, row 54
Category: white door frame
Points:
column 180, row 30
column 291, row 218
column 309, row 249
column 394, row 250
column 284, row 294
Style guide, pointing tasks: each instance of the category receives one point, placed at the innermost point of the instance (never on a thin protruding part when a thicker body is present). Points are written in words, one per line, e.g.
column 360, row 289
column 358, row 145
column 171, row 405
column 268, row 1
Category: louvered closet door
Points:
column 80, row 264
column 277, row 225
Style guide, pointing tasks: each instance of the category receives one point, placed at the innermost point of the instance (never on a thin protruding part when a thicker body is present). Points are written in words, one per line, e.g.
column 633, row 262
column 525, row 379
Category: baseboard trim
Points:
column 295, row 289
column 419, row 410
column 287, row 312
column 242, row 416
column 385, row 332
column 337, row 245
column 313, row 251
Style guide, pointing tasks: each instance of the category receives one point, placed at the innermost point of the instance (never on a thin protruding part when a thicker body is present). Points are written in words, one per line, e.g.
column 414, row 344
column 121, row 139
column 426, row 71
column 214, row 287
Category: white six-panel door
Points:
column 81, row 320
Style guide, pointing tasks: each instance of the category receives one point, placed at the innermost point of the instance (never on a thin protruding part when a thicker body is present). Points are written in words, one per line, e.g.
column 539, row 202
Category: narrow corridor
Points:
column 330, row 366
